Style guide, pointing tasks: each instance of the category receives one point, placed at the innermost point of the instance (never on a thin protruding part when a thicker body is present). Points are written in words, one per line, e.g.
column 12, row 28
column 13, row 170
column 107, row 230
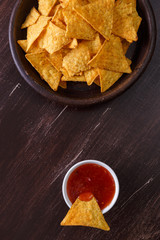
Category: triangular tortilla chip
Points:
column 111, row 57
column 45, row 6
column 136, row 18
column 63, row 85
column 107, row 78
column 87, row 214
column 76, row 60
column 123, row 25
column 45, row 69
column 99, row 14
column 53, row 38
column 31, row 18
column 91, row 75
column 73, row 44
column 77, row 27
column 34, row 31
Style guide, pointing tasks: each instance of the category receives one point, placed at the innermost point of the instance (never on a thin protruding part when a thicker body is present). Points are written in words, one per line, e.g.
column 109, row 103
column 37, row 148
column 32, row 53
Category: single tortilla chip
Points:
column 77, row 27
column 99, row 14
column 56, row 60
column 76, row 60
column 87, row 214
column 63, row 85
column 23, row 44
column 97, row 82
column 45, row 69
column 34, row 31
column 108, row 78
column 111, row 57
column 53, row 38
column 74, row 79
column 93, row 45
column 136, row 18
column 31, row 18
column 73, row 44
column 91, row 75
column 123, row 25
column 45, row 6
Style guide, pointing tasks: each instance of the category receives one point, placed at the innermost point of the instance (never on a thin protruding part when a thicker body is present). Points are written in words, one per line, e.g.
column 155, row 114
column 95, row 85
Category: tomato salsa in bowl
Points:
column 91, row 178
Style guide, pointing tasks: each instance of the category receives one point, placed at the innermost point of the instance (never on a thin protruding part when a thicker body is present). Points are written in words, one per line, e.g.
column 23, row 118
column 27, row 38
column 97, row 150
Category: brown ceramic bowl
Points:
column 79, row 94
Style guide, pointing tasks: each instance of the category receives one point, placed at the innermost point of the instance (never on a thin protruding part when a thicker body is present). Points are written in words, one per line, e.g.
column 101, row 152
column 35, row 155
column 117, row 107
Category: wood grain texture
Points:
column 41, row 140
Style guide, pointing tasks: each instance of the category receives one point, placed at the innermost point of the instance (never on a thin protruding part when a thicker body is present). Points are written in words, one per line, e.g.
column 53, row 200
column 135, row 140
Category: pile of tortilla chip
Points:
column 86, row 214
column 81, row 40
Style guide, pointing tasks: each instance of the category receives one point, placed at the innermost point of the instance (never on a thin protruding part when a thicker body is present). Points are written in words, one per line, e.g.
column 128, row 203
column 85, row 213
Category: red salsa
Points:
column 91, row 180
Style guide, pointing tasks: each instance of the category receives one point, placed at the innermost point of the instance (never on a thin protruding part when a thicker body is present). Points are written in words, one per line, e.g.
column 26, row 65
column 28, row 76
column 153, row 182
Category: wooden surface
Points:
column 41, row 140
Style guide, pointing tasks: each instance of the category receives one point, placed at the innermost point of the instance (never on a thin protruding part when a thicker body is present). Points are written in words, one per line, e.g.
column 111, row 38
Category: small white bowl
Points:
column 64, row 185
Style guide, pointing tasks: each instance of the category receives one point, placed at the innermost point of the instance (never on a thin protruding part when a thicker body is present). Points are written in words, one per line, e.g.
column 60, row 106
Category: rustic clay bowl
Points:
column 79, row 94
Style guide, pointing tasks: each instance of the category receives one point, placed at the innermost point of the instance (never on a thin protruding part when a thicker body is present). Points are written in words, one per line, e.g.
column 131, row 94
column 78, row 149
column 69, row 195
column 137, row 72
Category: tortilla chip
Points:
column 123, row 22
column 23, row 44
column 76, row 60
column 74, row 79
column 45, row 6
column 99, row 14
column 73, row 44
column 111, row 57
column 63, row 85
column 45, row 69
column 93, row 45
column 31, row 18
column 77, row 27
column 125, row 45
column 56, row 60
column 34, row 31
column 53, row 10
column 97, row 82
column 85, row 214
column 107, row 78
column 91, row 75
column 53, row 38
column 58, row 18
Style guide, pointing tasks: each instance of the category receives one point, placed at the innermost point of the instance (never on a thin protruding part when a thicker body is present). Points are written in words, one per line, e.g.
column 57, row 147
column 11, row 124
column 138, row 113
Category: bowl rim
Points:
column 70, row 101
column 65, row 180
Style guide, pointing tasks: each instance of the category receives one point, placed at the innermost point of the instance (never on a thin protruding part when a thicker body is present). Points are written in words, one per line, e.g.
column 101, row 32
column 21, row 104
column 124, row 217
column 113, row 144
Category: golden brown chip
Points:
column 77, row 27
column 125, row 45
column 107, row 78
column 34, row 31
column 23, row 44
column 63, row 85
column 99, row 14
column 73, row 44
column 85, row 214
column 53, row 38
column 123, row 22
column 91, row 75
column 53, row 10
column 55, row 59
column 45, row 6
column 74, row 79
column 93, row 45
column 45, row 69
column 31, row 18
column 111, row 57
column 76, row 60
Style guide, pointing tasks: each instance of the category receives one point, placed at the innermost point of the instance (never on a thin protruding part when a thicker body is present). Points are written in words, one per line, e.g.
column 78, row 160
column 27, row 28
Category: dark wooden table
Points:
column 41, row 140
